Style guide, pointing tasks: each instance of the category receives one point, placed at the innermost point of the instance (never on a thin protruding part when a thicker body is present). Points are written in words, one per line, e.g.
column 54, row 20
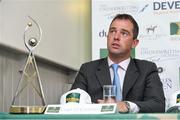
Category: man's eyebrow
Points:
column 112, row 28
column 126, row 31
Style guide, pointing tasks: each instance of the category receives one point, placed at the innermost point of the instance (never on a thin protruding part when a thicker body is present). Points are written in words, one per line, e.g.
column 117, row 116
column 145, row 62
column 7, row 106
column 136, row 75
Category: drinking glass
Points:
column 109, row 93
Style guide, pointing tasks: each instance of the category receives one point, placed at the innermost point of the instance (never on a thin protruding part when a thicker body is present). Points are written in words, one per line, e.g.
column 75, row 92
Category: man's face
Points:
column 120, row 38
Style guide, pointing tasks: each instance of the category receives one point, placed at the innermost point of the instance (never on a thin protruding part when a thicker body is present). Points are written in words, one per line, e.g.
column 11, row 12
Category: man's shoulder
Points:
column 93, row 65
column 96, row 62
column 140, row 63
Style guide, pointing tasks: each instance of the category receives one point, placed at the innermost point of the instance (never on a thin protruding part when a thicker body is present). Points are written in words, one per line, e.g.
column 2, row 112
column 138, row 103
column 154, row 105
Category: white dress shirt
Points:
column 121, row 72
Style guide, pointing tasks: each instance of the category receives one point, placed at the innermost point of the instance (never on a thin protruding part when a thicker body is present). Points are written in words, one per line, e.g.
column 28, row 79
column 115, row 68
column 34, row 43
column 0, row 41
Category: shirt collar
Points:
column 123, row 64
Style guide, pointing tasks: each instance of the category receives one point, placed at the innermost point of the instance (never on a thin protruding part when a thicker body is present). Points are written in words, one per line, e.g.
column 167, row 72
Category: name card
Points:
column 74, row 108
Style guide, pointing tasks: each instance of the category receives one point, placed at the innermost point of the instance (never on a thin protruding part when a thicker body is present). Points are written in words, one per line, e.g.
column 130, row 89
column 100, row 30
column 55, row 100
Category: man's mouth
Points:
column 115, row 45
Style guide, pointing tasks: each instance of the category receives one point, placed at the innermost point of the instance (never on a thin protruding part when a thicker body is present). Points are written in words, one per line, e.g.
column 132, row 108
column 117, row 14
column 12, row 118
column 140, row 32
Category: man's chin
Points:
column 115, row 53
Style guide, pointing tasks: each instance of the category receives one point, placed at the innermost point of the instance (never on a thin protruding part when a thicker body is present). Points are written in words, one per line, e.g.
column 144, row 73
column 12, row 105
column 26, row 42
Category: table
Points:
column 117, row 116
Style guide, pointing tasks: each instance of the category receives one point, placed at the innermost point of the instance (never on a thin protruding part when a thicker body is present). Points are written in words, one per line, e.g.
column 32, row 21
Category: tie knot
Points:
column 115, row 67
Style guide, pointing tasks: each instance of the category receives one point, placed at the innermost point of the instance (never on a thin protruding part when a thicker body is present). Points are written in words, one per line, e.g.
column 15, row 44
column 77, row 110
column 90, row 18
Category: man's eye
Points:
column 124, row 34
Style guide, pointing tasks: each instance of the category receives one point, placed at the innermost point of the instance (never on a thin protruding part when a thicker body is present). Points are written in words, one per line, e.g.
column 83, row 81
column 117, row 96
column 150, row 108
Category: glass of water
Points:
column 109, row 93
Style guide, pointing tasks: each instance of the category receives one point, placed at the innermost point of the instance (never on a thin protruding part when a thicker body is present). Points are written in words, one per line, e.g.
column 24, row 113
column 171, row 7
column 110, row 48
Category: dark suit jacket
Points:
column 142, row 84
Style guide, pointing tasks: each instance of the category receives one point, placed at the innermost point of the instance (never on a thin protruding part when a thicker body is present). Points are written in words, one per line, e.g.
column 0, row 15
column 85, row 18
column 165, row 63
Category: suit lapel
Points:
column 103, row 73
column 130, row 77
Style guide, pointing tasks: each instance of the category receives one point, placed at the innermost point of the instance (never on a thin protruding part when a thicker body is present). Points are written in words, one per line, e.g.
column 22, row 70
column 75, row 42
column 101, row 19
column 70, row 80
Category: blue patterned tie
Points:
column 116, row 82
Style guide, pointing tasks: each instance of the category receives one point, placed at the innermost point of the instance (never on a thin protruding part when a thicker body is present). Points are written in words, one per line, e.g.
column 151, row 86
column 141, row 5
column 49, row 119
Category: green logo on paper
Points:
column 175, row 28
column 73, row 97
column 104, row 53
column 107, row 108
column 53, row 109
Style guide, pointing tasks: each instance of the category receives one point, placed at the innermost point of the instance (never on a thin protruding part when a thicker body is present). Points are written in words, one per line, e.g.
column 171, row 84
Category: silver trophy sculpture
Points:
column 29, row 96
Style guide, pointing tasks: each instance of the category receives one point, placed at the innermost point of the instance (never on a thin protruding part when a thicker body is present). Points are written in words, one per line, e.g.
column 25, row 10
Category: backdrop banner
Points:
column 159, row 34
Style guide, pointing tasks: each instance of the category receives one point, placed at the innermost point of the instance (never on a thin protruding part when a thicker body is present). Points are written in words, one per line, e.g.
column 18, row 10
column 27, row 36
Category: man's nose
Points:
column 117, row 36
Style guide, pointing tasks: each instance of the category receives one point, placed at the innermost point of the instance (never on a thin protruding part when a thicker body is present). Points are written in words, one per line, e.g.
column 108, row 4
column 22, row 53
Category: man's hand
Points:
column 100, row 101
column 122, row 107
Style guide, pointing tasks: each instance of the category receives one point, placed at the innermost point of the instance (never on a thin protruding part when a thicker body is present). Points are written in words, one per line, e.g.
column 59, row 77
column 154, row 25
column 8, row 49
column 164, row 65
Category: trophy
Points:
column 29, row 96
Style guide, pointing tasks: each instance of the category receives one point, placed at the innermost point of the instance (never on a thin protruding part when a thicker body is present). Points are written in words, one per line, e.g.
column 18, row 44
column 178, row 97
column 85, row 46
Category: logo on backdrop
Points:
column 175, row 28
column 165, row 7
column 143, row 9
column 156, row 55
column 109, row 12
column 103, row 34
column 151, row 29
column 167, row 83
column 174, row 31
column 161, row 69
column 152, row 32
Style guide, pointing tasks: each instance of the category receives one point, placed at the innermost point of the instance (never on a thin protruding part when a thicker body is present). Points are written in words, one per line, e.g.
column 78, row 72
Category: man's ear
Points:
column 135, row 43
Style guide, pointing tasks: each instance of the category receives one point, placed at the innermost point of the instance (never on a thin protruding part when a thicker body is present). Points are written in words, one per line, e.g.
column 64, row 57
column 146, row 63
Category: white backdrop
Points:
column 159, row 34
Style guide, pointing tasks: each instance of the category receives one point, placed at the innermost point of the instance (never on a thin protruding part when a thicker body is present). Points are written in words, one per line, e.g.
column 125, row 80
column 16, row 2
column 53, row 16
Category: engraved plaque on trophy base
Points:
column 27, row 109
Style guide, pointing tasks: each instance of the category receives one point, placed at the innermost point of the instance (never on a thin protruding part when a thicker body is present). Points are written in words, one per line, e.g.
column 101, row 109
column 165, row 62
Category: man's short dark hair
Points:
column 133, row 21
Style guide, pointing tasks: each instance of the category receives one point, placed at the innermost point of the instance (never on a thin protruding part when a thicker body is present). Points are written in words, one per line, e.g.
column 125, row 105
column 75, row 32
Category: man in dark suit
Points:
column 140, row 84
